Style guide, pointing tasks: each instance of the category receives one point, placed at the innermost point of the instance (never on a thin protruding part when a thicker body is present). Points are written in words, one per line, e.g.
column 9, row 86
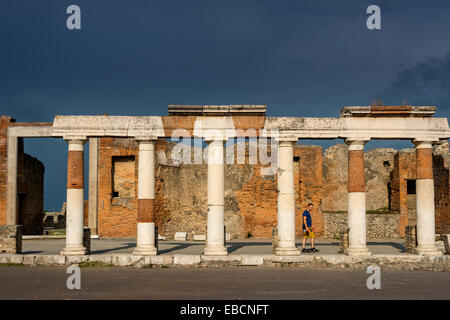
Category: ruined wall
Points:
column 404, row 170
column 181, row 192
column 30, row 190
column 116, row 216
column 378, row 225
column 442, row 197
column 309, row 186
column 378, row 164
column 4, row 123
column 30, row 182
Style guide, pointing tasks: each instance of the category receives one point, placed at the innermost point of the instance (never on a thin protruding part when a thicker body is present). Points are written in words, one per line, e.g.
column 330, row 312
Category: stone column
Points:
column 215, row 241
column 425, row 199
column 93, row 185
column 75, row 198
column 145, row 240
column 356, row 199
column 11, row 188
column 286, row 200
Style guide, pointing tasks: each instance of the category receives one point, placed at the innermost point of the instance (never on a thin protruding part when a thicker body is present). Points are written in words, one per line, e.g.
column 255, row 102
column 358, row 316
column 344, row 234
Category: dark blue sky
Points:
column 301, row 58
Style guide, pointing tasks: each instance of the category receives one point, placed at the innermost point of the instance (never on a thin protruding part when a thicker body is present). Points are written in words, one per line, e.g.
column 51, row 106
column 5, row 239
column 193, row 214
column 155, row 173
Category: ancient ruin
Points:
column 245, row 174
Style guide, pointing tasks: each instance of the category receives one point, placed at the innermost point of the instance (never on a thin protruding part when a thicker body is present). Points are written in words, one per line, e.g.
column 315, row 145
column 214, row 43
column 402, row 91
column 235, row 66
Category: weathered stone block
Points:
column 274, row 239
column 106, row 259
column 158, row 260
column 183, row 259
column 28, row 259
column 76, row 259
column 50, row 260
column 11, row 239
column 252, row 260
column 199, row 237
column 343, row 240
column 446, row 239
column 411, row 239
column 180, row 236
column 87, row 240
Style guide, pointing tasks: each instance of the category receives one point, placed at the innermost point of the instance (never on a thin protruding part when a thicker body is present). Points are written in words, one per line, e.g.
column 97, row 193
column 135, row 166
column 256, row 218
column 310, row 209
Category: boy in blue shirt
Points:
column 308, row 231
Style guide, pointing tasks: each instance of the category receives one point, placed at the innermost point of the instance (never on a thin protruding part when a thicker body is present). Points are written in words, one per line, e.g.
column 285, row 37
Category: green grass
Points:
column 164, row 267
column 88, row 264
column 11, row 264
column 56, row 232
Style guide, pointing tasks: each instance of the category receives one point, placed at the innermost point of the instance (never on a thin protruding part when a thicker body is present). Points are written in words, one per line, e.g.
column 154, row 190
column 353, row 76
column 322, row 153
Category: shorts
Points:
column 308, row 233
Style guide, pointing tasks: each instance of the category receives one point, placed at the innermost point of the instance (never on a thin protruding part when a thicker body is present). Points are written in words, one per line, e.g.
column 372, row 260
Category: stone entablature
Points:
column 223, row 110
column 388, row 111
column 200, row 120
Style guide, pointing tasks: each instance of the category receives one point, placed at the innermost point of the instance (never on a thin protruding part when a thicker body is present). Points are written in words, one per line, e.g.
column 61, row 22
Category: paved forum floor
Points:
column 219, row 283
column 113, row 246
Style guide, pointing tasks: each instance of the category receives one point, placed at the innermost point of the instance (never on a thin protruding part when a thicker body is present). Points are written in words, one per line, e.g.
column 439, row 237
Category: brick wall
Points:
column 308, row 159
column 4, row 123
column 116, row 216
column 181, row 199
column 30, row 181
column 404, row 169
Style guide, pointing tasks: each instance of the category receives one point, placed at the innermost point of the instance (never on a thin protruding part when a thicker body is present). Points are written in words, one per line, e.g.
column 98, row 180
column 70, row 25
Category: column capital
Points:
column 424, row 143
column 145, row 139
column 76, row 144
column 356, row 143
column 75, row 139
column 286, row 139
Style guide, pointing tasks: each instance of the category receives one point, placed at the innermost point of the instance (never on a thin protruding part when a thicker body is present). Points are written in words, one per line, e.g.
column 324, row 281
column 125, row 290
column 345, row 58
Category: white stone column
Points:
column 11, row 187
column 215, row 242
column 286, row 200
column 356, row 198
column 75, row 198
column 426, row 244
column 145, row 240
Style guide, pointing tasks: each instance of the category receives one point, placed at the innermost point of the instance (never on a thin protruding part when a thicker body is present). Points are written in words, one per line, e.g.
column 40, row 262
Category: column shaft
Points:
column 93, row 185
column 11, row 187
column 356, row 199
column 215, row 241
column 286, row 200
column 426, row 244
column 75, row 199
column 145, row 240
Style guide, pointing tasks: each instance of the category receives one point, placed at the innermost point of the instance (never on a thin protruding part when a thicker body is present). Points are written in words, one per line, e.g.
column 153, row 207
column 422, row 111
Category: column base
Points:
column 145, row 251
column 287, row 251
column 73, row 251
column 215, row 251
column 428, row 250
column 358, row 251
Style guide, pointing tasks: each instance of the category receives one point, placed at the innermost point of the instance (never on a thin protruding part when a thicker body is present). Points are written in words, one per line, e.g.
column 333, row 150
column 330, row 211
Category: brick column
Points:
column 356, row 199
column 145, row 240
column 75, row 198
column 286, row 200
column 425, row 199
column 215, row 239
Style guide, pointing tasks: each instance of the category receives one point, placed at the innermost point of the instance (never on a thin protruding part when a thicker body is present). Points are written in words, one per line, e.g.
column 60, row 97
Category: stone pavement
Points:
column 388, row 255
column 224, row 283
column 235, row 247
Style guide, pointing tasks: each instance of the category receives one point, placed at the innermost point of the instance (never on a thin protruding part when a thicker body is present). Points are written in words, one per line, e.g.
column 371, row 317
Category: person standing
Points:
column 308, row 231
